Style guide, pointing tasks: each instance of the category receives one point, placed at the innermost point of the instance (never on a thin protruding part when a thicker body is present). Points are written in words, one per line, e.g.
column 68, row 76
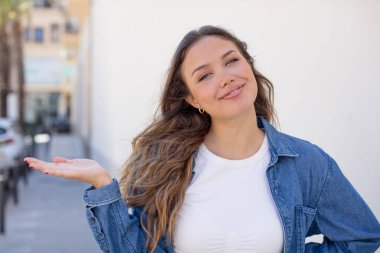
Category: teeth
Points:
column 235, row 91
column 232, row 92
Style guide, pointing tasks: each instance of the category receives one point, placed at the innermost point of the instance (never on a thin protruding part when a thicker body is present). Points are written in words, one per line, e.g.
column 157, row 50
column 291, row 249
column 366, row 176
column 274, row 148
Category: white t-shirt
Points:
column 228, row 207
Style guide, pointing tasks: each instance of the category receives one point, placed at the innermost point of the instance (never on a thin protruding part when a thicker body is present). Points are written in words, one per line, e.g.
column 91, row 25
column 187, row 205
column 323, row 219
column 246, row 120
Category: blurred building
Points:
column 51, row 38
column 77, row 44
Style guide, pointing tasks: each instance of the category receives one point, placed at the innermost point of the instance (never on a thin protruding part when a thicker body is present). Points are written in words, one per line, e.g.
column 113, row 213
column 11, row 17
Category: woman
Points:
column 211, row 174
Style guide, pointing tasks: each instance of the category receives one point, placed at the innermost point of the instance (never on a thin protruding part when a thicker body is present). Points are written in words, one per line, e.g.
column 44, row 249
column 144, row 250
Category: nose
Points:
column 226, row 78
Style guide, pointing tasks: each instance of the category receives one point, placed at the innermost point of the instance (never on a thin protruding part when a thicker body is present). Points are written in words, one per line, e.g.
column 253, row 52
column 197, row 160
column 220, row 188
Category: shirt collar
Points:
column 278, row 143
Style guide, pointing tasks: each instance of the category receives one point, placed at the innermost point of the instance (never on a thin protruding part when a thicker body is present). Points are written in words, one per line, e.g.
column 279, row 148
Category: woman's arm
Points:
column 345, row 220
column 115, row 227
column 113, row 224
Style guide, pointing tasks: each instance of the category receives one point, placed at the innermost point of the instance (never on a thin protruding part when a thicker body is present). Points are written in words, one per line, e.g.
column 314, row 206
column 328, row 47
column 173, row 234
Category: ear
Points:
column 192, row 101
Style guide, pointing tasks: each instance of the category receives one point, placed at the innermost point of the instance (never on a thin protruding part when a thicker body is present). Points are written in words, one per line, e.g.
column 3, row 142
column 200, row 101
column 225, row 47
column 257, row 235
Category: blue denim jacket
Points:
column 311, row 194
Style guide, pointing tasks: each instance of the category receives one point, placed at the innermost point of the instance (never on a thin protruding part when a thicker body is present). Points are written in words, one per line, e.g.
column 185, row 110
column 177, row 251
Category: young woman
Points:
column 211, row 174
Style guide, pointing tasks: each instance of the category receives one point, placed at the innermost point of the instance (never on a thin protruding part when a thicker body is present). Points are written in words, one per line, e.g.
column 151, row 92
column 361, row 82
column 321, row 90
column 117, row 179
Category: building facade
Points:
column 51, row 40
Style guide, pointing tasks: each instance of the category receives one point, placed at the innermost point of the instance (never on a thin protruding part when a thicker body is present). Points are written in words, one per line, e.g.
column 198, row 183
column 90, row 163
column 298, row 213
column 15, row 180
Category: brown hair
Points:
column 159, row 169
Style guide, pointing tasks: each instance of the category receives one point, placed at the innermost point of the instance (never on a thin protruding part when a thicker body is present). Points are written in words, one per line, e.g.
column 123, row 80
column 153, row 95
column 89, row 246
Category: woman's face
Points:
column 219, row 78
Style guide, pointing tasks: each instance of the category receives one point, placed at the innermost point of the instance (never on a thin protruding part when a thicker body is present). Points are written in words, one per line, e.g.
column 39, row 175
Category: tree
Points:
column 11, row 13
column 4, row 57
column 20, row 8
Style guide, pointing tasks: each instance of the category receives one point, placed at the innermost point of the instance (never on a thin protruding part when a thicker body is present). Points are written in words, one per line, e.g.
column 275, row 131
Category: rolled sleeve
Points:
column 115, row 226
column 102, row 196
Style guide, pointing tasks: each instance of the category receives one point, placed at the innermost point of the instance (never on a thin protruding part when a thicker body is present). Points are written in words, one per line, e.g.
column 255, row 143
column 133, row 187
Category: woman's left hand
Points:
column 83, row 170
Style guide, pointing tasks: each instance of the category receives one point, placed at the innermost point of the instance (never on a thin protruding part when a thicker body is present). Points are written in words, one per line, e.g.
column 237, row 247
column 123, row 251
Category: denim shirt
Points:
column 311, row 194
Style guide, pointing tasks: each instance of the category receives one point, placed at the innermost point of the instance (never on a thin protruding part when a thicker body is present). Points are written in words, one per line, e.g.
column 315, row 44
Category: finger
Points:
column 30, row 160
column 57, row 173
column 34, row 166
column 42, row 166
column 60, row 159
column 65, row 173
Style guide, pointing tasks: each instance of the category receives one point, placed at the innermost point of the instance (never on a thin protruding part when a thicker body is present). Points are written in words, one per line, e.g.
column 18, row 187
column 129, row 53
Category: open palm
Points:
column 83, row 170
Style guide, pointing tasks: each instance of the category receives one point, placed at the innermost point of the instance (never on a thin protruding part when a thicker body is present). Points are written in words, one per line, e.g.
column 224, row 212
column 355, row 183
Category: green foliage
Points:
column 11, row 10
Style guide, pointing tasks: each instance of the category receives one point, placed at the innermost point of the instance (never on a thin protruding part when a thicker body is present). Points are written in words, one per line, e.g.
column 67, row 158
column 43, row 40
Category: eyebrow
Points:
column 204, row 65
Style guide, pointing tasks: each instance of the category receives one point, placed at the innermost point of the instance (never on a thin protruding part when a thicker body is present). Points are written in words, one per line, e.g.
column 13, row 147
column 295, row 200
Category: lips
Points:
column 232, row 92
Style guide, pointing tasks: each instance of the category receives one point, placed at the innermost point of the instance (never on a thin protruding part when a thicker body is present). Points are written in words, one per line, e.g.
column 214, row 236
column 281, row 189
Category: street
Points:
column 50, row 216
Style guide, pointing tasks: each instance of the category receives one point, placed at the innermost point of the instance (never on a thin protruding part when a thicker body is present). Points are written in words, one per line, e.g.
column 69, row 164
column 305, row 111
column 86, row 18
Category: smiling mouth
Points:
column 233, row 93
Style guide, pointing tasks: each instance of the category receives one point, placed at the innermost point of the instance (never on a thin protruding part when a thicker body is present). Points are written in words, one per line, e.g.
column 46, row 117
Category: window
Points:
column 27, row 34
column 54, row 33
column 72, row 25
column 42, row 3
column 39, row 35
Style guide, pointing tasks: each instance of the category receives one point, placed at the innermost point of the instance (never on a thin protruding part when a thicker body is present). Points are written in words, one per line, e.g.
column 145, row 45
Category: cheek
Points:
column 198, row 97
column 204, row 92
column 254, row 87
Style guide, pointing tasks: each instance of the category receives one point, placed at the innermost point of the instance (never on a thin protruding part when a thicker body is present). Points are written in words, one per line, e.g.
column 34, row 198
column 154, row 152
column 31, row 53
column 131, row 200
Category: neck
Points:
column 235, row 139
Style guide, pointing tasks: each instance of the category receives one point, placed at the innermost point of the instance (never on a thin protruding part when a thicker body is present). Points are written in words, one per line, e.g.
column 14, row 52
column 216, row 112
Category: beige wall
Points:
column 44, row 17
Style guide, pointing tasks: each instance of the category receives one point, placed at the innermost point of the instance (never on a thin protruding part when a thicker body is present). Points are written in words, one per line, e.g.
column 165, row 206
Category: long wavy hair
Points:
column 159, row 169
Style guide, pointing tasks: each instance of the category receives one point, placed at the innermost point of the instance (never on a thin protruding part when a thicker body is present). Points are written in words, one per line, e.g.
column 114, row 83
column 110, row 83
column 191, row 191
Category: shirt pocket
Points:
column 96, row 230
column 304, row 218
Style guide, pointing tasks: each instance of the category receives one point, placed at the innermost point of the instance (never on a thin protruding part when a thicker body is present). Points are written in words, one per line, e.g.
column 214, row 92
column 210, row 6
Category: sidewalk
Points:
column 50, row 216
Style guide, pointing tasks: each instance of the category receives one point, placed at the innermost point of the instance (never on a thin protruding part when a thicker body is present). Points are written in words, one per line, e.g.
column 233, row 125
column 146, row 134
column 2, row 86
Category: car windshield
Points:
column 2, row 130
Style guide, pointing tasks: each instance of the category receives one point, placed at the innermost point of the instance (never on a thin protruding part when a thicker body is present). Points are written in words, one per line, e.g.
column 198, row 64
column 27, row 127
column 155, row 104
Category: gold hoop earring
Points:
column 201, row 111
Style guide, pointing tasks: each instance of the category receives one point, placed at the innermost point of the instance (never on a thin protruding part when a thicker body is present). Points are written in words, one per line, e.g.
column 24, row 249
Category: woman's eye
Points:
column 232, row 60
column 203, row 76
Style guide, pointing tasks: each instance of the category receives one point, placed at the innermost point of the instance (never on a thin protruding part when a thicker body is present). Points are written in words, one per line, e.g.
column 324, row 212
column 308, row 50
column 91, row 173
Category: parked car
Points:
column 4, row 161
column 12, row 142
column 4, row 166
column 61, row 125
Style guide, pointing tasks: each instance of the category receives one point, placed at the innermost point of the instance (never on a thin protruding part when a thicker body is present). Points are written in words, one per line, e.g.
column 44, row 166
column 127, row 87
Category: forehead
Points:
column 206, row 50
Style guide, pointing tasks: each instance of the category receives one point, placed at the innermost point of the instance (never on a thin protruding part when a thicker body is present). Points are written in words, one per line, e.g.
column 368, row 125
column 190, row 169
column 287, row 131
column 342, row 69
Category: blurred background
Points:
column 80, row 78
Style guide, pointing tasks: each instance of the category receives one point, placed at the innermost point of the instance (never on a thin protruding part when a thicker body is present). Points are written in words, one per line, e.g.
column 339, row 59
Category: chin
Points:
column 236, row 112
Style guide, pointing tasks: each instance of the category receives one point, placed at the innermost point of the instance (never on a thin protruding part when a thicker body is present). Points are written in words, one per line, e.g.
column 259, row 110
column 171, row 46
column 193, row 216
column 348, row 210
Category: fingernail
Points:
column 26, row 162
column 45, row 172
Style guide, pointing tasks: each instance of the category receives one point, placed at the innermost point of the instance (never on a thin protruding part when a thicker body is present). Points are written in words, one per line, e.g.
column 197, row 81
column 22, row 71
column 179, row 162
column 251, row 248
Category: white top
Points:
column 228, row 207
